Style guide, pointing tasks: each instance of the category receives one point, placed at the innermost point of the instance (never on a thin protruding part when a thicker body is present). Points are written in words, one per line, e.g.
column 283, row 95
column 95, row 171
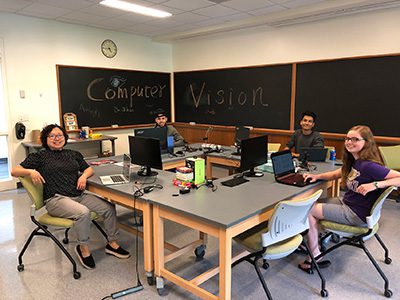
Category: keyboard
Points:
column 234, row 181
column 117, row 178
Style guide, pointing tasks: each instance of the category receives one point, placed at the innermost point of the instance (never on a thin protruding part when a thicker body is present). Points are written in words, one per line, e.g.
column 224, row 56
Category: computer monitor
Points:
column 254, row 153
column 145, row 152
column 241, row 133
column 155, row 132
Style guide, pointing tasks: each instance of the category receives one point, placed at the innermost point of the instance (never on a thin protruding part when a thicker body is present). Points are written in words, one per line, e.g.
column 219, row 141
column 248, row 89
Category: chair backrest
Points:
column 375, row 215
column 289, row 218
column 391, row 156
column 328, row 153
column 274, row 147
column 35, row 191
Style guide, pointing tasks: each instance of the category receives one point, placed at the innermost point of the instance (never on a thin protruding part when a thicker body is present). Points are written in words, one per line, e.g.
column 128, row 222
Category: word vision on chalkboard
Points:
column 106, row 97
column 255, row 96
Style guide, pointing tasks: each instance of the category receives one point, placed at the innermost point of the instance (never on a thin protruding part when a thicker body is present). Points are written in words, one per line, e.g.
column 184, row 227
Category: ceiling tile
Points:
column 216, row 11
column 13, row 5
column 247, row 5
column 43, row 10
column 188, row 5
column 188, row 17
column 267, row 10
column 71, row 4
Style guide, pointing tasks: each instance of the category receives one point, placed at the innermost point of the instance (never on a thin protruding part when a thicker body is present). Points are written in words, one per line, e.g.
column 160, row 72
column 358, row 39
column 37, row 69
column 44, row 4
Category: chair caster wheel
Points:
column 20, row 267
column 77, row 275
column 200, row 251
column 388, row 260
column 65, row 240
column 388, row 293
column 335, row 238
column 162, row 291
column 265, row 265
column 150, row 280
column 324, row 293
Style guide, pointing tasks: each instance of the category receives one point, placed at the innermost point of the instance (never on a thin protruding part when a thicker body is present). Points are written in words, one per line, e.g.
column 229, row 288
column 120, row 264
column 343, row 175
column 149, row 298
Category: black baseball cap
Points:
column 159, row 112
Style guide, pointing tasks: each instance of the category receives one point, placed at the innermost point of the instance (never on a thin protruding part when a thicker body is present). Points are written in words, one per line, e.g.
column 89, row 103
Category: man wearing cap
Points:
column 161, row 121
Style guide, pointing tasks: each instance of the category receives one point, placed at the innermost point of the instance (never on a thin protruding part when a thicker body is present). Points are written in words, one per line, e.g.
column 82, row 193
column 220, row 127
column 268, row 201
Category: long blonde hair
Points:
column 369, row 152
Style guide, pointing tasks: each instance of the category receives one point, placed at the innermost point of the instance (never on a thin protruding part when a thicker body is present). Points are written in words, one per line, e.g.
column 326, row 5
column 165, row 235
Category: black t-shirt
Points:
column 59, row 168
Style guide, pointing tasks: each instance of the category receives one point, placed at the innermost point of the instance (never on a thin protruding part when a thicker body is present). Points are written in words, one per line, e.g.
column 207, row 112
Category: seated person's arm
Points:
column 178, row 139
column 21, row 171
column 318, row 142
column 81, row 184
column 392, row 178
column 324, row 176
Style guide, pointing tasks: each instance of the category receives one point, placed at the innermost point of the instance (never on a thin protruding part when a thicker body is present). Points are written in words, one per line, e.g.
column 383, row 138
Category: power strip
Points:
column 127, row 291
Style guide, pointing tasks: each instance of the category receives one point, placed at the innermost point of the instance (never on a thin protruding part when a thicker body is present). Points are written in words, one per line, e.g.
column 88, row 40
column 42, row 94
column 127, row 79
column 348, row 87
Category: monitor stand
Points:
column 252, row 173
column 146, row 171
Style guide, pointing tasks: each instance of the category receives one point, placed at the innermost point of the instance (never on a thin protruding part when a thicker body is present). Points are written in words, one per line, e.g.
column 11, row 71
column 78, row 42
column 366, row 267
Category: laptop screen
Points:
column 126, row 166
column 282, row 163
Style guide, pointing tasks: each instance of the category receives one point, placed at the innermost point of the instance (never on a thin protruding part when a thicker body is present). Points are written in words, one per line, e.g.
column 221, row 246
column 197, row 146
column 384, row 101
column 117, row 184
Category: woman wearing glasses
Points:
column 63, row 173
column 365, row 176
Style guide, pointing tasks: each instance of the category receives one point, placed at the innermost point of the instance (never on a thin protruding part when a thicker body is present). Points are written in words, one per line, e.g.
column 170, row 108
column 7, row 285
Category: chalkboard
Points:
column 348, row 92
column 255, row 96
column 105, row 97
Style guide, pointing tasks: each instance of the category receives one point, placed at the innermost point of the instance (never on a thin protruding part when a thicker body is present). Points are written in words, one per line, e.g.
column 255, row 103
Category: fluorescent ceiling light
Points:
column 136, row 8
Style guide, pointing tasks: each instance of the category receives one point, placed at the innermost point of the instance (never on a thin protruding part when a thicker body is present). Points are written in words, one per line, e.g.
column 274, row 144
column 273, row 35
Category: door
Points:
column 6, row 181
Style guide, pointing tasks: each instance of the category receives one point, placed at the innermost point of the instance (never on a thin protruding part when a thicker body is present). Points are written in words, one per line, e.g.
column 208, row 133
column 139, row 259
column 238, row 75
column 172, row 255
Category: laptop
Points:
column 119, row 178
column 284, row 170
column 313, row 154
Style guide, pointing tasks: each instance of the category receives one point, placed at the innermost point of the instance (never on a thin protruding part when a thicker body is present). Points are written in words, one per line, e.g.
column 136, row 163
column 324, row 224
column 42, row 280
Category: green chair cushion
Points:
column 251, row 239
column 49, row 220
column 347, row 228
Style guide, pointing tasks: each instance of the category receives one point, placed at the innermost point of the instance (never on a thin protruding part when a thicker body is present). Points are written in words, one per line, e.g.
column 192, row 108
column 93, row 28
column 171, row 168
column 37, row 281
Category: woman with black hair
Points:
column 63, row 173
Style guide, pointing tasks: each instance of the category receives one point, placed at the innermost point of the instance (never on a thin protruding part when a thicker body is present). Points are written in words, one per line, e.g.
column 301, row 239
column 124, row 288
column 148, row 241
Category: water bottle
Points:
column 332, row 155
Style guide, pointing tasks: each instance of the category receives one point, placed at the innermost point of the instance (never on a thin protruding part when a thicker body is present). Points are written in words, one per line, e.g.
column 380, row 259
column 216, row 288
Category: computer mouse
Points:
column 308, row 180
column 179, row 152
column 148, row 189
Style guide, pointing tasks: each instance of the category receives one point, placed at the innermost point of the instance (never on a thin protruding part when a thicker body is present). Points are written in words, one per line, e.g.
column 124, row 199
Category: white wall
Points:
column 355, row 35
column 33, row 47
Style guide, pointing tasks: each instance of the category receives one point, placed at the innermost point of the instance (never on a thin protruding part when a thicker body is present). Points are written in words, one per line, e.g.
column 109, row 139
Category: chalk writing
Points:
column 93, row 112
column 228, row 96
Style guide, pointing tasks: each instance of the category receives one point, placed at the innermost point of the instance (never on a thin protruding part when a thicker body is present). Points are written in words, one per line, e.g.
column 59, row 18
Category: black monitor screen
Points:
column 156, row 132
column 241, row 133
column 145, row 152
column 254, row 153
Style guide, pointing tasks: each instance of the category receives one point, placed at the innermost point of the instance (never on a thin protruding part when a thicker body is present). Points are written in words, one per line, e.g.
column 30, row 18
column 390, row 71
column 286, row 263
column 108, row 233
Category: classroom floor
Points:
column 48, row 274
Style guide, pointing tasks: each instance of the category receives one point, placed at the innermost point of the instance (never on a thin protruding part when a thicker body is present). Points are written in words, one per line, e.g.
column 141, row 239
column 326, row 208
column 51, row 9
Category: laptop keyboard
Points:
column 293, row 178
column 117, row 178
column 234, row 181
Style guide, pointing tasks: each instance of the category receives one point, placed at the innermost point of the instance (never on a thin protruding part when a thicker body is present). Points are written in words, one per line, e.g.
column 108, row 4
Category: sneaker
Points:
column 119, row 252
column 87, row 262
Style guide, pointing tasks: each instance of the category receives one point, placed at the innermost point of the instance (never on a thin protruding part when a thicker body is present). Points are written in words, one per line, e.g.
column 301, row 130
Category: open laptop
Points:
column 119, row 178
column 284, row 171
column 313, row 154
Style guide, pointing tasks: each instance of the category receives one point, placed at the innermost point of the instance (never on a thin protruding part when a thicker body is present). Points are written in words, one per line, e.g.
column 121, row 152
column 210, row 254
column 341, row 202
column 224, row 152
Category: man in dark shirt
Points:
column 63, row 174
column 306, row 137
column 161, row 121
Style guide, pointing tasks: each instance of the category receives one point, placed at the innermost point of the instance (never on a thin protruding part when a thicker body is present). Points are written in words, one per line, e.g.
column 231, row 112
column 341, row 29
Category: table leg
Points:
column 208, row 169
column 148, row 242
column 225, row 270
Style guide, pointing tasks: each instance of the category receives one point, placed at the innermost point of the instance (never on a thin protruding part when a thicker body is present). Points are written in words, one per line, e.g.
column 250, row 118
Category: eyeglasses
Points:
column 353, row 139
column 55, row 136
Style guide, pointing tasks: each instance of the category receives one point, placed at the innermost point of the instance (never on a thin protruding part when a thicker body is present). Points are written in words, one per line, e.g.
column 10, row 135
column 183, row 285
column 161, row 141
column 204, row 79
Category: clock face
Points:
column 109, row 48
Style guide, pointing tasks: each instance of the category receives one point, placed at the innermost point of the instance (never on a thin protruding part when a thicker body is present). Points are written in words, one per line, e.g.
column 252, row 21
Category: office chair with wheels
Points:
column 281, row 237
column 357, row 235
column 391, row 156
column 35, row 193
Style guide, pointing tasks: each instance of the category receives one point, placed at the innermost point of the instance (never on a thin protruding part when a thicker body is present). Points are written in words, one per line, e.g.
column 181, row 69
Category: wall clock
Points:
column 109, row 48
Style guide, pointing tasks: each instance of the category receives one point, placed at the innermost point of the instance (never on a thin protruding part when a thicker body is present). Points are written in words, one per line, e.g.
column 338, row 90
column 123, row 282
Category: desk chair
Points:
column 274, row 147
column 356, row 235
column 35, row 193
column 281, row 237
column 391, row 156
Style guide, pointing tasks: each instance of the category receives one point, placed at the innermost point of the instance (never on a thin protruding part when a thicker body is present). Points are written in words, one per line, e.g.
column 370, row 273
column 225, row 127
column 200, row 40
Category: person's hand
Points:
column 36, row 177
column 81, row 184
column 310, row 177
column 366, row 188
